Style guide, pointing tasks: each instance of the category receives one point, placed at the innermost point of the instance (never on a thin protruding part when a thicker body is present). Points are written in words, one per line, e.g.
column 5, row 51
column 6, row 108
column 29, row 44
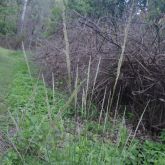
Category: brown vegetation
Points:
column 143, row 69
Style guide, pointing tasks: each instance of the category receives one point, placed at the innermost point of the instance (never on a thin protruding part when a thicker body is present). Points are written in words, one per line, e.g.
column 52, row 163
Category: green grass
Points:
column 44, row 136
column 9, row 61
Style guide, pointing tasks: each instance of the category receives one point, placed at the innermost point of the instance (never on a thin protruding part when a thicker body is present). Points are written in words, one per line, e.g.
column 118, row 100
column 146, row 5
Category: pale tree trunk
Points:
column 22, row 17
column 20, row 29
column 67, row 49
column 66, row 39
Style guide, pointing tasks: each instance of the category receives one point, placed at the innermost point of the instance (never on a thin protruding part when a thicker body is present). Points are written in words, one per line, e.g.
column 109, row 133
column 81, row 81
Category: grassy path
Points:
column 9, row 60
column 9, row 63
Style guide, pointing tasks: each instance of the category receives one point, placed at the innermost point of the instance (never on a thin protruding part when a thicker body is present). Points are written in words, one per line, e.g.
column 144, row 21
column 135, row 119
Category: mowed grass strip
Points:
column 9, row 62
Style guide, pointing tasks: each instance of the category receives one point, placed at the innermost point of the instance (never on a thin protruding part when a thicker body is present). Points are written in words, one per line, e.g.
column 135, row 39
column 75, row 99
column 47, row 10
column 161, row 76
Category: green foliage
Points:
column 152, row 153
column 28, row 104
column 56, row 16
column 162, row 136
column 116, row 8
column 8, row 17
column 97, row 8
column 82, row 6
column 156, row 9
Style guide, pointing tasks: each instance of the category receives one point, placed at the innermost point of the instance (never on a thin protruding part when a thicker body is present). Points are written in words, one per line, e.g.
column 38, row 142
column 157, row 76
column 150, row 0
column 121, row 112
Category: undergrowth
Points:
column 41, row 131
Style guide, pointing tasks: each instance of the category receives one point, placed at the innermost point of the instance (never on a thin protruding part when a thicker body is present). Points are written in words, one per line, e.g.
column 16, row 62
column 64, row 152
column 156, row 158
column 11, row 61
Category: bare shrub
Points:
column 142, row 72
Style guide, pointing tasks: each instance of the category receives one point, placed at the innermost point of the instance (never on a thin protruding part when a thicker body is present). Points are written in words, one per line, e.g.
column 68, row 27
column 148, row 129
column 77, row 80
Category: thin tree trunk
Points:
column 22, row 17
column 67, row 49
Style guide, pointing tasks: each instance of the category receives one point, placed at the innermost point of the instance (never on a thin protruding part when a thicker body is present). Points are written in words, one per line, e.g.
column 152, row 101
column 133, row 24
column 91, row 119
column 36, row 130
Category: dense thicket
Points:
column 96, row 30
